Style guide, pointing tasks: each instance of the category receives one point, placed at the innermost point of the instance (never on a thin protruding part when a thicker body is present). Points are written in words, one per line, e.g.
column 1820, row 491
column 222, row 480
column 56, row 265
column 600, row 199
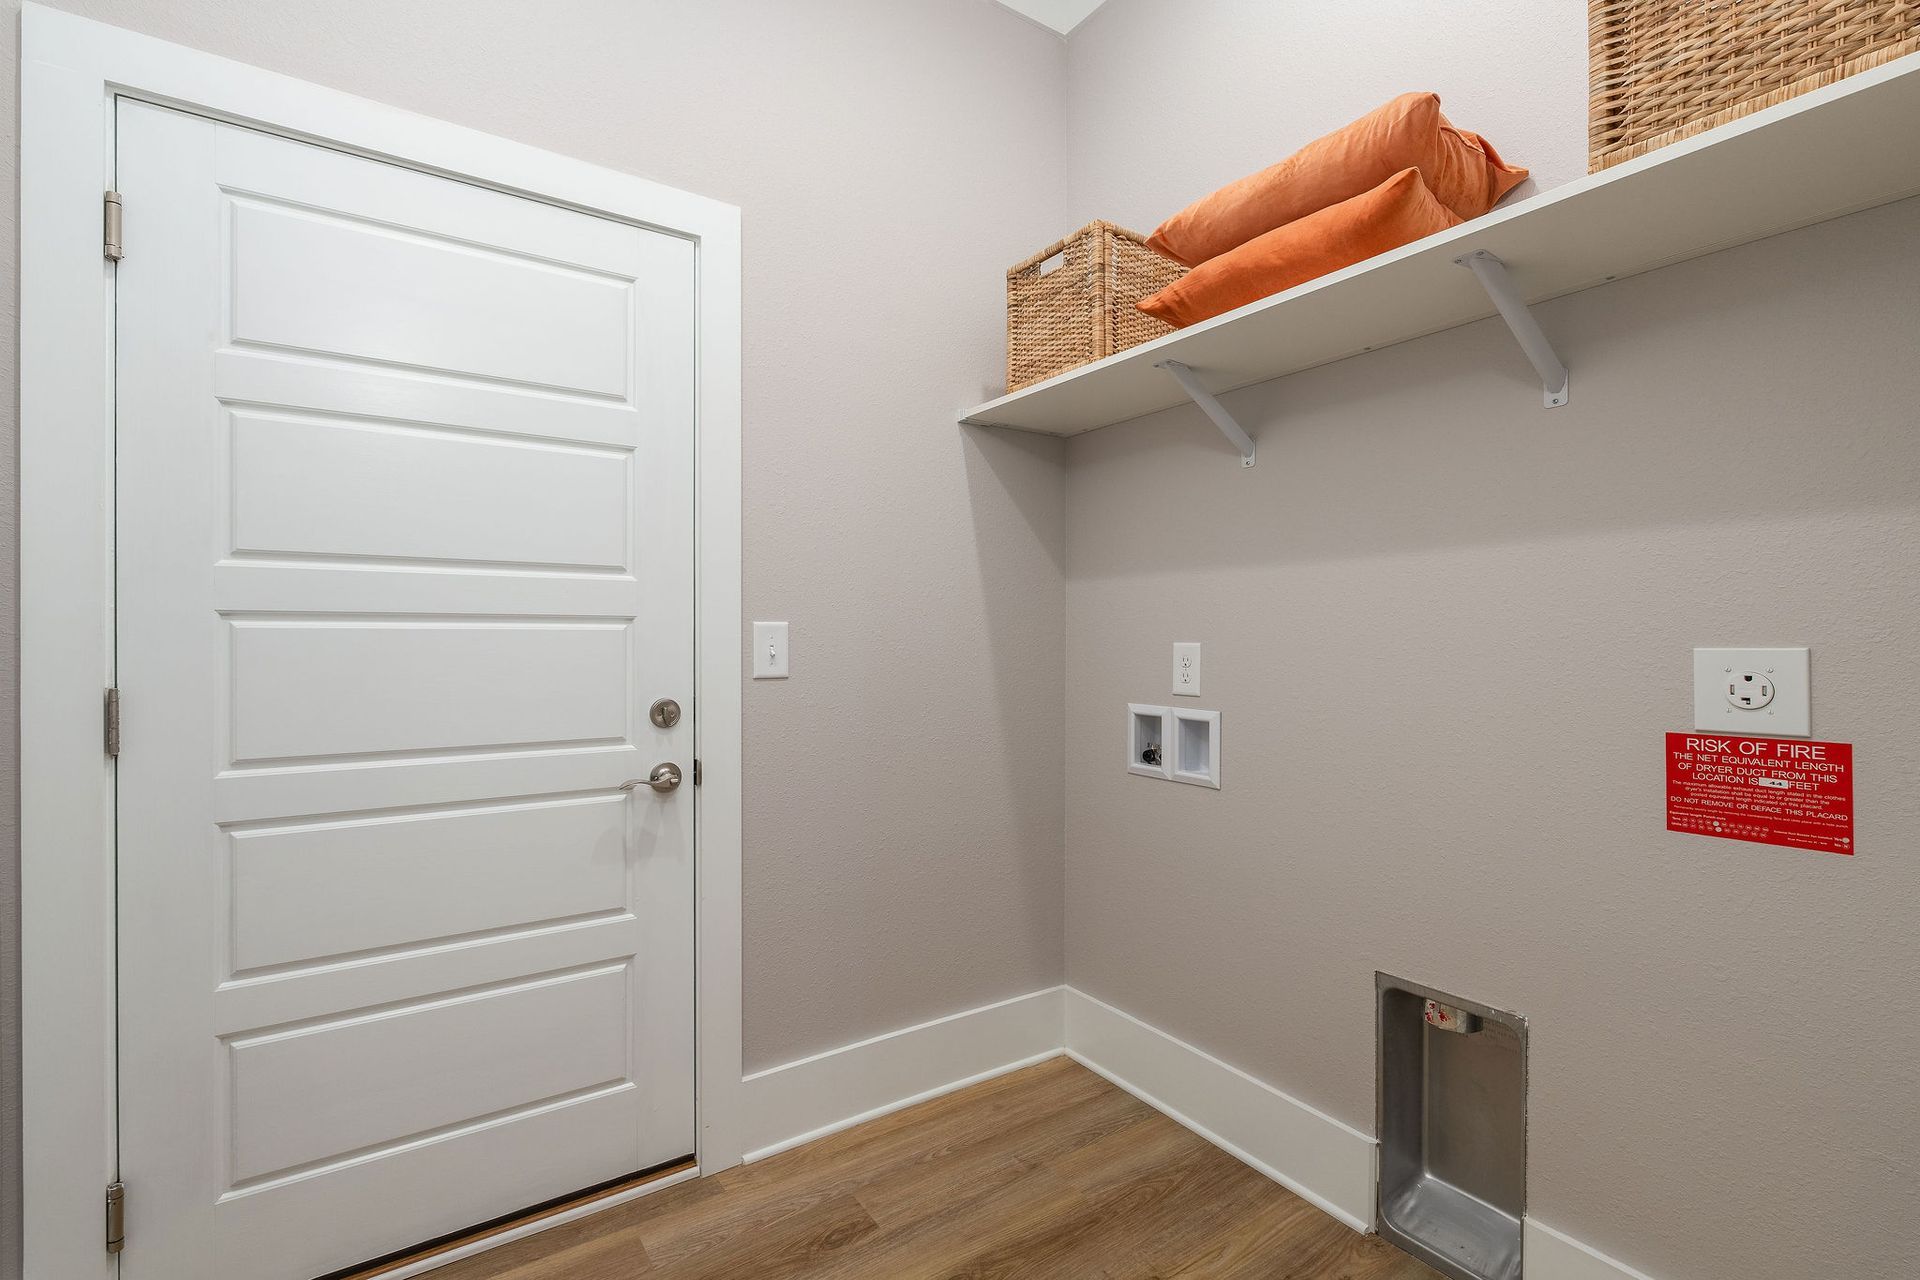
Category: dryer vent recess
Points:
column 1452, row 1120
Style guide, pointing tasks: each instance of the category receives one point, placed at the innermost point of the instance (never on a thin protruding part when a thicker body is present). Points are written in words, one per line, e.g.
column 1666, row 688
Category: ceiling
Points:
column 1061, row 15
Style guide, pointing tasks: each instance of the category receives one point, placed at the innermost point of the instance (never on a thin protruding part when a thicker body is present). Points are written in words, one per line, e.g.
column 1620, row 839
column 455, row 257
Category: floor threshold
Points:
column 405, row 1259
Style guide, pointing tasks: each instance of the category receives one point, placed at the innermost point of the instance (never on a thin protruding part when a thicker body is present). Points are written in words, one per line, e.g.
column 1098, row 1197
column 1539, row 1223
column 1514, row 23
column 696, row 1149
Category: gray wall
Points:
column 1447, row 630
column 1168, row 101
column 903, row 789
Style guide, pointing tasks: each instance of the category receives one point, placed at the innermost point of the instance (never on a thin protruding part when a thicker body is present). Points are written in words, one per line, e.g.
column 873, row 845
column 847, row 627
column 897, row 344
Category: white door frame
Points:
column 72, row 70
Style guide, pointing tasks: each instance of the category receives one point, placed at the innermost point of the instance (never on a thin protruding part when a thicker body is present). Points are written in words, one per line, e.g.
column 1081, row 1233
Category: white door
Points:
column 404, row 554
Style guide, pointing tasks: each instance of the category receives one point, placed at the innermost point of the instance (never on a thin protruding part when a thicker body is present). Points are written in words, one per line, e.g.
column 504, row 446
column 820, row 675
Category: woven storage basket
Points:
column 1083, row 308
column 1663, row 70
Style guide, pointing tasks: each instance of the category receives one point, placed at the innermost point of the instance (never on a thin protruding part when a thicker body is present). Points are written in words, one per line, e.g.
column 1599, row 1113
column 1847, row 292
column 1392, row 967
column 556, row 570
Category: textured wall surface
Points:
column 1447, row 630
column 1167, row 102
column 903, row 789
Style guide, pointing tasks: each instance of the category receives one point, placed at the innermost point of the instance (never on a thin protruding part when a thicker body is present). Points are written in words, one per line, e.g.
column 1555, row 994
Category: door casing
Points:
column 72, row 70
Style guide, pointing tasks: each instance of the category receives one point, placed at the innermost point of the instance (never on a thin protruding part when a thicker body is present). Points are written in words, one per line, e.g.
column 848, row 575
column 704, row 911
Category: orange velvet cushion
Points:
column 1398, row 211
column 1463, row 171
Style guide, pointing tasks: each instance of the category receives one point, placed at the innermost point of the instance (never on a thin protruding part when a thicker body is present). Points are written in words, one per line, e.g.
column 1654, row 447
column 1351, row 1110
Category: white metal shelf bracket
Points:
column 1493, row 277
column 1190, row 383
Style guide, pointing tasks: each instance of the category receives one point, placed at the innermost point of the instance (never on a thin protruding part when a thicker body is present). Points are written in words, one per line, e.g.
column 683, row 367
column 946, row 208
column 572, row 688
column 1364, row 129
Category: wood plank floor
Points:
column 1048, row 1172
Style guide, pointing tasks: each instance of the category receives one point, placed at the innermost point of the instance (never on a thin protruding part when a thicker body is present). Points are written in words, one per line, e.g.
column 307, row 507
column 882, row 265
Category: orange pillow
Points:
column 1398, row 211
column 1463, row 171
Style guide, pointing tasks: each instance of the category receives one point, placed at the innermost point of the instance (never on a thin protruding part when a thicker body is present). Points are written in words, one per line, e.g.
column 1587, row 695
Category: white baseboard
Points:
column 1321, row 1159
column 1554, row 1255
column 800, row 1101
column 1307, row 1151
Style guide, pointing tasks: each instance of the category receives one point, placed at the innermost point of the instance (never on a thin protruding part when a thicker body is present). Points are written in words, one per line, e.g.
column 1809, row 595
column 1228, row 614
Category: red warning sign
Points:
column 1769, row 790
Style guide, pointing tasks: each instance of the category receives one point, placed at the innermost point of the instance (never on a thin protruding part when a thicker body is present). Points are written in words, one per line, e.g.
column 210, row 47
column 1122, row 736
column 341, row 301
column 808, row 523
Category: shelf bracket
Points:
column 1190, row 383
column 1493, row 277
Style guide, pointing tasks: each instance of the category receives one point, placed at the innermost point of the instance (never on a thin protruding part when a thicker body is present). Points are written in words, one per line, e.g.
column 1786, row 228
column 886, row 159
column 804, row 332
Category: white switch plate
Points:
column 1186, row 670
column 1780, row 690
column 769, row 651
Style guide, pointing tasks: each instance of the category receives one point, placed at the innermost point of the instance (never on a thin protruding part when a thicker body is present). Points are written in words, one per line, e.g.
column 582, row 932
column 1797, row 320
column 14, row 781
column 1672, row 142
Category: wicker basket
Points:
column 1663, row 70
column 1082, row 309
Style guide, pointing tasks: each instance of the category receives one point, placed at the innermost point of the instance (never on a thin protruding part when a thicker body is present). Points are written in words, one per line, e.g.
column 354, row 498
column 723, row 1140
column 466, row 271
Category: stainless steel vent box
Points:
column 1452, row 1118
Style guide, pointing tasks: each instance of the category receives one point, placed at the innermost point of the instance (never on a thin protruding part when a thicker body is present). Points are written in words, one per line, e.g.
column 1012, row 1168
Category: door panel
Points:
column 327, row 686
column 317, row 891
column 312, row 282
column 404, row 541
column 445, row 1061
column 359, row 488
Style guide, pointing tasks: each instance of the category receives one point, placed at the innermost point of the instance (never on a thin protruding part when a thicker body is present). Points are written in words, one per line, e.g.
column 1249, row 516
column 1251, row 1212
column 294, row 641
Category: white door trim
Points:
column 72, row 69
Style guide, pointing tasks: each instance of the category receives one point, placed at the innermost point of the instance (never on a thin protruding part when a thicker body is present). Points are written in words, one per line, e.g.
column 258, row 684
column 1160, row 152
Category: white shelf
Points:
column 1835, row 151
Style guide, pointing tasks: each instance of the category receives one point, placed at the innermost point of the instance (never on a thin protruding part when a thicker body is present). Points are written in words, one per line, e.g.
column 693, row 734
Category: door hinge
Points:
column 696, row 771
column 111, row 722
column 110, row 237
column 116, row 1216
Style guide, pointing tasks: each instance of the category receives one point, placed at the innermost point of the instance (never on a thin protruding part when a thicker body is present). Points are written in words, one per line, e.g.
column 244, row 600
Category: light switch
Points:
column 769, row 651
column 1186, row 670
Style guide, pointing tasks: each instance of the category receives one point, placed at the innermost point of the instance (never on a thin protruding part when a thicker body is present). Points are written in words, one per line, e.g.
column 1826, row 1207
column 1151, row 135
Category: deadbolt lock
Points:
column 665, row 713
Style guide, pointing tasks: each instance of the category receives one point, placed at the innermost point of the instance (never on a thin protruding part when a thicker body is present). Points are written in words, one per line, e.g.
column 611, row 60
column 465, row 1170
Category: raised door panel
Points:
column 326, row 687
column 359, row 489
column 326, row 284
column 355, row 1086
column 367, row 885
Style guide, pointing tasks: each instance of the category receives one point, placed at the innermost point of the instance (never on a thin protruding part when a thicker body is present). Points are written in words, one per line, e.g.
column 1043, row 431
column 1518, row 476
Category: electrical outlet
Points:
column 1186, row 670
column 1763, row 693
column 1749, row 690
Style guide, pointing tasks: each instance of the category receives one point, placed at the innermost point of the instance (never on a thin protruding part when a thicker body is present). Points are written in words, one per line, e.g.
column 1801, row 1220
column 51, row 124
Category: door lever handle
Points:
column 664, row 778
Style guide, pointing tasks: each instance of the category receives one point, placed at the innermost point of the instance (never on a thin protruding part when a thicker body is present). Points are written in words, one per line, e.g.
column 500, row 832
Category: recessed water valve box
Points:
column 1148, row 739
column 1195, row 743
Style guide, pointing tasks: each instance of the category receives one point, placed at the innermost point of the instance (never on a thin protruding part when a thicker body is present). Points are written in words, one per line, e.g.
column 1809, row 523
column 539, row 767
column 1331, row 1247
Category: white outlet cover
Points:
column 1788, row 715
column 769, row 651
column 1186, row 669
